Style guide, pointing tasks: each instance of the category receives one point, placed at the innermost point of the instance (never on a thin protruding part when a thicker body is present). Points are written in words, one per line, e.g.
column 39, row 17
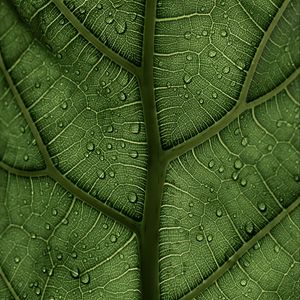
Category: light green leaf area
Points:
column 149, row 149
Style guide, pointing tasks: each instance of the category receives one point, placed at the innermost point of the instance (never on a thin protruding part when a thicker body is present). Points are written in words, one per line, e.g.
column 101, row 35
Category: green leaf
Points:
column 149, row 149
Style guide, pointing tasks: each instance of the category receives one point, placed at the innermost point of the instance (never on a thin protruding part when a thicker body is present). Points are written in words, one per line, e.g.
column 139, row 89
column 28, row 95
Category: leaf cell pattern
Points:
column 149, row 149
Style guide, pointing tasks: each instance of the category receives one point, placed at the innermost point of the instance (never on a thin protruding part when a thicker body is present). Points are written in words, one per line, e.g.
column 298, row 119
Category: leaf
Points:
column 149, row 150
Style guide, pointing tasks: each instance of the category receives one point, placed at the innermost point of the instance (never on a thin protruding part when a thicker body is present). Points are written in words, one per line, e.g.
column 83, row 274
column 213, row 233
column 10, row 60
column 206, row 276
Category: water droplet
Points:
column 74, row 254
column 90, row 146
column 297, row 178
column 37, row 85
column 121, row 27
column 109, row 146
column 244, row 141
column 262, row 206
column 59, row 256
column 135, row 128
column 276, row 248
column 65, row 221
column 17, row 259
column 199, row 237
column 209, row 238
column 270, row 147
column 221, row 169
column 243, row 282
column 249, row 227
column 122, row 96
column 132, row 197
column 111, row 174
column 109, row 20
column 243, row 182
column 187, row 35
column 212, row 53
column 204, row 33
column 105, row 226
column 223, row 33
column 238, row 164
column 99, row 6
column 226, row 70
column 64, row 105
column 234, row 176
column 189, row 57
column 211, row 164
column 219, row 213
column 74, row 273
column 82, row 10
column 214, row 95
column 133, row 154
column 37, row 291
column 77, row 72
column 241, row 65
column 47, row 226
column 85, row 278
column 113, row 238
column 187, row 78
column 26, row 157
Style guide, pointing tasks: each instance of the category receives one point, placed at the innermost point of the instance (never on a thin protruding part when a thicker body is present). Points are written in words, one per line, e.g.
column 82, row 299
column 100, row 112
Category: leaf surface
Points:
column 149, row 149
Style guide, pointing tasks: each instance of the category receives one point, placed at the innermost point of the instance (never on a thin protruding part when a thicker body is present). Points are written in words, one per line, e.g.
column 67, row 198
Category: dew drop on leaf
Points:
column 133, row 154
column 121, row 27
column 187, row 35
column 59, row 256
column 74, row 254
column 243, row 182
column 211, row 164
column 226, row 70
column 262, row 206
column 238, row 164
column 17, row 259
column 189, row 57
column 223, row 33
column 199, row 237
column 234, row 176
column 37, row 291
column 221, row 169
column 187, row 78
column 212, row 53
column 99, row 6
column 135, row 128
column 113, row 238
column 85, row 278
column 243, row 282
column 109, row 20
column 74, row 273
column 219, row 213
column 132, row 197
column 122, row 96
column 111, row 174
column 209, row 238
column 249, row 227
column 204, row 33
column 26, row 157
column 90, row 146
column 64, row 105
column 276, row 248
column 244, row 141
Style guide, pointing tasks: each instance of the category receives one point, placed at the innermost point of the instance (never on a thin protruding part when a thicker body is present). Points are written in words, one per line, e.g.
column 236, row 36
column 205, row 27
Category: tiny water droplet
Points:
column 243, row 182
column 133, row 154
column 219, row 213
column 238, row 164
column 74, row 273
column 243, row 282
column 47, row 226
column 113, row 238
column 122, row 96
column 244, row 141
column 209, row 238
column 85, row 278
column 204, row 33
column 99, row 6
column 262, row 206
column 249, row 227
column 64, row 105
column 132, row 197
column 121, row 27
column 223, row 33
column 26, row 157
column 187, row 35
column 211, row 164
column 199, row 237
column 189, row 57
column 212, row 53
column 187, row 78
column 90, row 146
column 109, row 20
column 59, row 256
column 276, row 248
column 221, row 169
column 135, row 128
column 17, row 259
column 214, row 95
column 234, row 176
column 74, row 254
column 37, row 85
column 111, row 174
column 37, row 291
column 226, row 70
